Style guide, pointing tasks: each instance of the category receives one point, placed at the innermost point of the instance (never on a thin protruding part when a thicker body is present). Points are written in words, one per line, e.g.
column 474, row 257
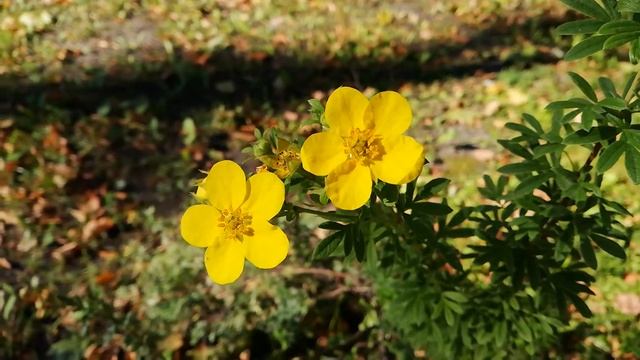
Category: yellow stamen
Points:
column 364, row 146
column 235, row 224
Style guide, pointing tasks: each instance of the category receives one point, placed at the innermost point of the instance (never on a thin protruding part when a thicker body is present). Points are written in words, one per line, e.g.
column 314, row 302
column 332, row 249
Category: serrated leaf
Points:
column 594, row 135
column 610, row 156
column 584, row 86
column 632, row 163
column 620, row 39
column 609, row 246
column 619, row 27
column 585, row 26
column 586, row 47
column 588, row 7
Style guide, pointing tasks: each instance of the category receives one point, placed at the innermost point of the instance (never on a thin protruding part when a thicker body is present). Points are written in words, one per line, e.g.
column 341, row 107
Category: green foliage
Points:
column 613, row 26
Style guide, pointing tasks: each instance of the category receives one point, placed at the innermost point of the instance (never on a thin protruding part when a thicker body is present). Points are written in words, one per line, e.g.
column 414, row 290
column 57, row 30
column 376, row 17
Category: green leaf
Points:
column 372, row 253
column 629, row 6
column 523, row 330
column 546, row 149
column 516, row 148
column 620, row 39
column 518, row 168
column 455, row 307
column 431, row 208
column 359, row 244
column 634, row 52
column 609, row 246
column 449, row 317
column 584, row 86
column 522, row 129
column 586, row 26
column 455, row 296
column 432, row 187
column 629, row 84
column 526, row 187
column 619, row 27
column 632, row 163
column 576, row 103
column 460, row 233
column 610, row 156
column 500, row 333
column 580, row 305
column 608, row 87
column 588, row 255
column 533, row 122
column 587, row 7
column 613, row 103
column 633, row 137
column 586, row 47
column 328, row 245
column 594, row 135
column 331, row 225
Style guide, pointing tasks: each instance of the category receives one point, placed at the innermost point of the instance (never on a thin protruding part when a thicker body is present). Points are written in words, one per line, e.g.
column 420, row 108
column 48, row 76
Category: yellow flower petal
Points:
column 225, row 261
column 402, row 162
column 349, row 185
column 201, row 193
column 346, row 108
column 225, row 185
column 322, row 153
column 199, row 225
column 266, row 196
column 391, row 113
column 268, row 246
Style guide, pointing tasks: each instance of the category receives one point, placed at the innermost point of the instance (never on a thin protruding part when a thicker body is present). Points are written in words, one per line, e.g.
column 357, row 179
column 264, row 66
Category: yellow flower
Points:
column 234, row 224
column 364, row 142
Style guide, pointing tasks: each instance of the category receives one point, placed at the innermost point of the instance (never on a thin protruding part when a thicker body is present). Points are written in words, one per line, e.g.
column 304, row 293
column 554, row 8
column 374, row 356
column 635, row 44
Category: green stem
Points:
column 329, row 215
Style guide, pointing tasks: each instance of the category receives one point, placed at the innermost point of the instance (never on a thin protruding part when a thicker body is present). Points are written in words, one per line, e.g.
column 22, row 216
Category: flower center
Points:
column 235, row 224
column 364, row 146
column 283, row 157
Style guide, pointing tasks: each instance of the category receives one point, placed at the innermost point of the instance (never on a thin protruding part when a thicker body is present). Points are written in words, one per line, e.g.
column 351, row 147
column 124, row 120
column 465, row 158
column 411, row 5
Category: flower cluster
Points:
column 364, row 143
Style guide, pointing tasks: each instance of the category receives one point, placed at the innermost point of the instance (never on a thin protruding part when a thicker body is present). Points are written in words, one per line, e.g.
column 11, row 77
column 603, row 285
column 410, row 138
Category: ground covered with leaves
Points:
column 103, row 133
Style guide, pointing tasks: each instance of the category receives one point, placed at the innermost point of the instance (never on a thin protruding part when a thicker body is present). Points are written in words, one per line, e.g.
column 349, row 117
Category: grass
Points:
column 95, row 175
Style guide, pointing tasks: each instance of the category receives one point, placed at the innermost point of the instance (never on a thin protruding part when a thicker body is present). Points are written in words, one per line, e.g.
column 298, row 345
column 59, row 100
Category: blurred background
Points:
column 108, row 109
